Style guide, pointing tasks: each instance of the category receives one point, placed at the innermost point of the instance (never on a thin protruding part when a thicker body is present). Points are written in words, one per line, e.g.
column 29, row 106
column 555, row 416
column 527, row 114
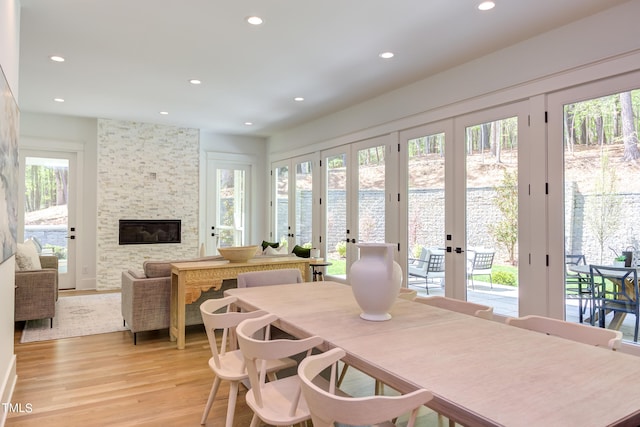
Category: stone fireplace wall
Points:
column 145, row 171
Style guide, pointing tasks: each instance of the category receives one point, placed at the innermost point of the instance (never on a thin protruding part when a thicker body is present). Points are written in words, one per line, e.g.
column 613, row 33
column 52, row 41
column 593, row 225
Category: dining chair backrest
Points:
column 602, row 275
column 269, row 277
column 598, row 337
column 277, row 402
column 482, row 260
column 435, row 263
column 574, row 259
column 327, row 407
column 464, row 307
column 227, row 362
column 217, row 315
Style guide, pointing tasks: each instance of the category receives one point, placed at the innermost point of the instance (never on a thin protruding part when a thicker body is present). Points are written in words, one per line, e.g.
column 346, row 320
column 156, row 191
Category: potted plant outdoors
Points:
column 619, row 261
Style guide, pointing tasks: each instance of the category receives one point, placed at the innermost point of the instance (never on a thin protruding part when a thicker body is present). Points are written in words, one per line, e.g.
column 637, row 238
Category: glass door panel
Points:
column 426, row 211
column 336, row 215
column 601, row 192
column 281, row 209
column 47, row 210
column 371, row 194
column 492, row 214
column 303, row 212
column 230, row 212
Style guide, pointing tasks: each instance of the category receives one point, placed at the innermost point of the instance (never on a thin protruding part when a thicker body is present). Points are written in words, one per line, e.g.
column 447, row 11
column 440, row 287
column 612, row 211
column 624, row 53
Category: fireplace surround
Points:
column 149, row 231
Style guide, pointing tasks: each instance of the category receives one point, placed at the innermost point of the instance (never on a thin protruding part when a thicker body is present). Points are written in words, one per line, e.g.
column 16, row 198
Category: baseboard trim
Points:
column 8, row 385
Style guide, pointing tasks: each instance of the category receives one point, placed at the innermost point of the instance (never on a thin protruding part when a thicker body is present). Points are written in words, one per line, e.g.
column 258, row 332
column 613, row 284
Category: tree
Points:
column 629, row 134
column 505, row 231
column 603, row 214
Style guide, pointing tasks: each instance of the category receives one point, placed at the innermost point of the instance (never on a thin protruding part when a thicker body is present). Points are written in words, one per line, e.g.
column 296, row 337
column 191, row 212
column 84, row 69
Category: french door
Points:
column 593, row 152
column 488, row 204
column 293, row 202
column 228, row 204
column 423, row 177
column 49, row 207
column 355, row 201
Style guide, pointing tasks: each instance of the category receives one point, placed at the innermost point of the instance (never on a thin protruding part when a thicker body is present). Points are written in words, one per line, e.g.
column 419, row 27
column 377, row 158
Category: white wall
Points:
column 535, row 66
column 9, row 48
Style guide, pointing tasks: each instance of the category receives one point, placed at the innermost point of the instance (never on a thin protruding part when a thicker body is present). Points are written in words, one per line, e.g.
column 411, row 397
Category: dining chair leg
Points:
column 255, row 421
column 343, row 372
column 231, row 406
column 212, row 396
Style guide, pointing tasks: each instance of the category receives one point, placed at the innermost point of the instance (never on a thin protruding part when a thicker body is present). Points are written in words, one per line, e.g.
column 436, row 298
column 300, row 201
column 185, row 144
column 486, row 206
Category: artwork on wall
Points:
column 8, row 169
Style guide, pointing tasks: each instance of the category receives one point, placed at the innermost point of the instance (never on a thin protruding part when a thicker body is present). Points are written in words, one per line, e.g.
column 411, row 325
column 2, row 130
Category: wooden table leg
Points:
column 177, row 328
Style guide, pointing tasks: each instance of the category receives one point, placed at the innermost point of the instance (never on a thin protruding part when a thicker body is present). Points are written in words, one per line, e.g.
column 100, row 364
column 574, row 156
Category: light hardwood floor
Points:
column 104, row 380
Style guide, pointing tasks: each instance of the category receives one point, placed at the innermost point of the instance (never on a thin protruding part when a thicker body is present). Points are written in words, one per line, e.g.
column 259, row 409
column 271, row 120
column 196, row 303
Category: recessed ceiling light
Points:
column 164, row 113
column 386, row 55
column 58, row 99
column 195, row 81
column 248, row 123
column 254, row 20
column 56, row 58
column 486, row 5
column 298, row 99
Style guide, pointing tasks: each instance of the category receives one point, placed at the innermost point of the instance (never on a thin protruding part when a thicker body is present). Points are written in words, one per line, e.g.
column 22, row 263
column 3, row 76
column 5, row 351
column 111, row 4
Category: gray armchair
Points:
column 37, row 291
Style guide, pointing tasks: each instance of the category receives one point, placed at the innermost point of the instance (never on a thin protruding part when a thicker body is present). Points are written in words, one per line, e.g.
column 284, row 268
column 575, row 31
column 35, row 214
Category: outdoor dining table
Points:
column 618, row 316
column 481, row 372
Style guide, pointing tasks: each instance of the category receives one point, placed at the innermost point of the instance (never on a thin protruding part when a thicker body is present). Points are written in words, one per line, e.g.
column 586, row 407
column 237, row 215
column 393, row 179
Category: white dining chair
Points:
column 278, row 402
column 464, row 307
column 229, row 365
column 586, row 334
column 269, row 277
column 327, row 407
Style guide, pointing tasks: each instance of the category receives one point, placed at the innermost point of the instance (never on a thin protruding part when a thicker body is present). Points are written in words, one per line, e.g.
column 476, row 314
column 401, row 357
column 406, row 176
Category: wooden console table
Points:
column 190, row 279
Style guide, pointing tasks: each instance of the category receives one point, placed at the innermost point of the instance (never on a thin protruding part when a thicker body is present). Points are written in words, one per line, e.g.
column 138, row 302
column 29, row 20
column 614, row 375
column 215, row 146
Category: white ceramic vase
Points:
column 375, row 280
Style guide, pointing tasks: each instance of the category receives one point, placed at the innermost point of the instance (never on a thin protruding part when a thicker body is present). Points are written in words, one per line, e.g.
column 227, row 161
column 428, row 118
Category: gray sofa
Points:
column 146, row 297
column 37, row 291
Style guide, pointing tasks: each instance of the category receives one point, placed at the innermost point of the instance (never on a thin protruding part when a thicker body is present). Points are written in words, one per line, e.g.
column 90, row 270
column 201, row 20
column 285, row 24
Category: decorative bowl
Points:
column 238, row 253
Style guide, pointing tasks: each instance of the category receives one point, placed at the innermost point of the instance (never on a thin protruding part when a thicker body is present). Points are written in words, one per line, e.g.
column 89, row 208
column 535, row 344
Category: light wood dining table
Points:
column 481, row 372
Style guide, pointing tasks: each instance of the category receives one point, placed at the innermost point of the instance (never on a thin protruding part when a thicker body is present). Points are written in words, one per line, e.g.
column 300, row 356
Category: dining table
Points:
column 480, row 372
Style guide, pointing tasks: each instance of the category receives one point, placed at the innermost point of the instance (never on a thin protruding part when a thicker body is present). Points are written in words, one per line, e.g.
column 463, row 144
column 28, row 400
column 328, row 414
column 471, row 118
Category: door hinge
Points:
column 546, row 117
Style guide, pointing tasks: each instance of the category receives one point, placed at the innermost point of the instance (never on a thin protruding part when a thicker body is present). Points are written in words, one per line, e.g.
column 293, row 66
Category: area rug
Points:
column 77, row 316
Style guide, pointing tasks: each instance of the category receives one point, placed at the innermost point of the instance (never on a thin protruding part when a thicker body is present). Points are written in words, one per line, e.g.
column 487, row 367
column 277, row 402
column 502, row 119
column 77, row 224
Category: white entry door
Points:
column 227, row 206
column 49, row 214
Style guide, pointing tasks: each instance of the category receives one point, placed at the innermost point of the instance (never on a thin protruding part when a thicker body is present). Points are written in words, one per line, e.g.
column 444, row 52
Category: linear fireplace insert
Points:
column 149, row 231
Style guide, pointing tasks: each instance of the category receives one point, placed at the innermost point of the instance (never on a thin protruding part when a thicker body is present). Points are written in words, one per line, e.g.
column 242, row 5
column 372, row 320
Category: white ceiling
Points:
column 131, row 59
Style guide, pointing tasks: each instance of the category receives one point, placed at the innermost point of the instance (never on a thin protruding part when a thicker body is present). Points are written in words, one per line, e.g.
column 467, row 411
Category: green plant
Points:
column 504, row 278
column 621, row 258
column 506, row 230
column 341, row 248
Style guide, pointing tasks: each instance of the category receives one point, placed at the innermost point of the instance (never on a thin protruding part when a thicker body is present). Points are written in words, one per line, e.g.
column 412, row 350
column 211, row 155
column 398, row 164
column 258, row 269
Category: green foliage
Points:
column 504, row 278
column 603, row 215
column 505, row 232
column 341, row 248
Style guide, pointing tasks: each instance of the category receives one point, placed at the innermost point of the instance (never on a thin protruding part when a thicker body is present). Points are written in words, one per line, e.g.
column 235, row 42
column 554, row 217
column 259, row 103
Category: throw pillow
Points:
column 301, row 252
column 273, row 245
column 27, row 257
column 275, row 251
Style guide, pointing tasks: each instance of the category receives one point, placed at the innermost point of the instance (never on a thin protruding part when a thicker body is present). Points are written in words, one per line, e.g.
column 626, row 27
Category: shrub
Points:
column 503, row 278
column 341, row 248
